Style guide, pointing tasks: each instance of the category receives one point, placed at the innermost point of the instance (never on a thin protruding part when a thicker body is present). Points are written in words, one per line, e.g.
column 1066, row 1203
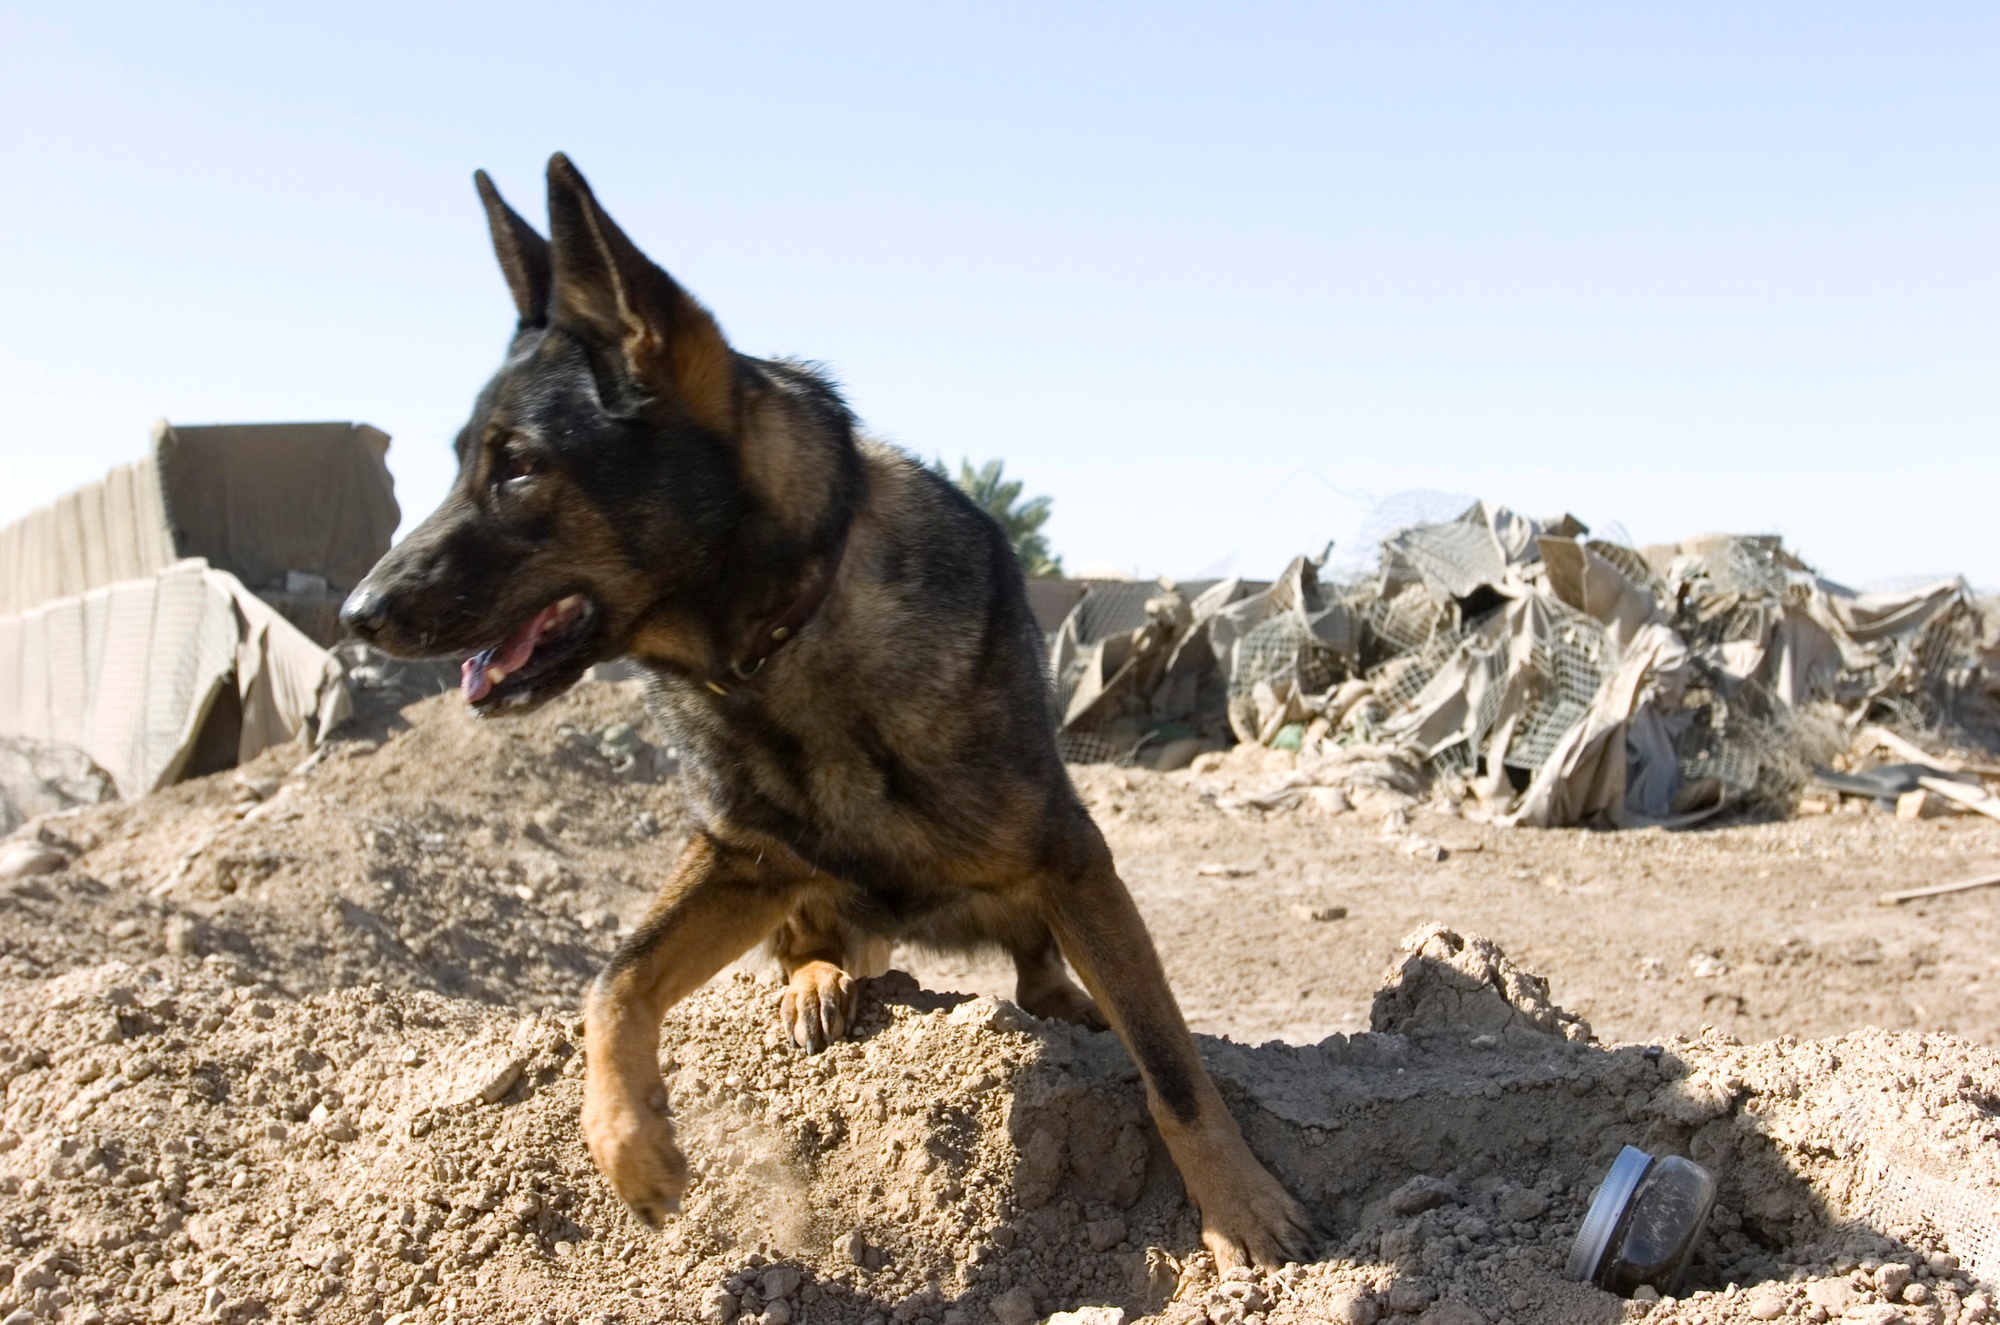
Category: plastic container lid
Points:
column 1607, row 1208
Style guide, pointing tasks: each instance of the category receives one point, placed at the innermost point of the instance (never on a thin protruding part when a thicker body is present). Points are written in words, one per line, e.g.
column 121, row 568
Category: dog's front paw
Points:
column 1247, row 1219
column 818, row 1005
column 633, row 1144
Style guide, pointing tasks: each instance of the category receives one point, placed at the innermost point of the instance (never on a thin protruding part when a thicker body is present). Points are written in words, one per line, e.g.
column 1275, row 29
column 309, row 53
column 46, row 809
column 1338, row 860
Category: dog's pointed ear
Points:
column 523, row 254
column 603, row 282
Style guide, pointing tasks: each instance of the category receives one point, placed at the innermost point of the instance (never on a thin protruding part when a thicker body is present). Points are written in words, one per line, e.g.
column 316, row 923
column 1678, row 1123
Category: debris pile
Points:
column 1531, row 674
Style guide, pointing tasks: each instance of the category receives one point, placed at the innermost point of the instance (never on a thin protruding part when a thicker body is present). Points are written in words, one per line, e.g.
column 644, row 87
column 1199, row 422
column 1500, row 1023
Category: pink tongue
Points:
column 473, row 681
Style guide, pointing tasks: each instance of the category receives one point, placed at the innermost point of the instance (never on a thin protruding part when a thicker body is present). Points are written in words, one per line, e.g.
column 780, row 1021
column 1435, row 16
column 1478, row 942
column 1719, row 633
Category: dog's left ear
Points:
column 602, row 281
column 523, row 254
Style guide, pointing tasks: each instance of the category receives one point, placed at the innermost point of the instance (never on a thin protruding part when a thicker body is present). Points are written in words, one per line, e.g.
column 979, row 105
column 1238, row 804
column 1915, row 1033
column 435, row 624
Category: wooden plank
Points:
column 1939, row 890
column 1909, row 752
column 1972, row 798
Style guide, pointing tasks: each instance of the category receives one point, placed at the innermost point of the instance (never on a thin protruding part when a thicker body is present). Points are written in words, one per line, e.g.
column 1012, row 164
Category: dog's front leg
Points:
column 1246, row 1217
column 716, row 905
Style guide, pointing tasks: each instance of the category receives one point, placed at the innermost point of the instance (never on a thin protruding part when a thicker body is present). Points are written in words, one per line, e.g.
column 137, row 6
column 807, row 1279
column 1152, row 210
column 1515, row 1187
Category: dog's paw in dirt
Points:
column 633, row 1144
column 818, row 1005
column 1247, row 1219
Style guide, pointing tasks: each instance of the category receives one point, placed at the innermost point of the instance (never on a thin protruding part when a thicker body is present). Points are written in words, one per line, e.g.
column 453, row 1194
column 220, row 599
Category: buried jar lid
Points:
column 1643, row 1223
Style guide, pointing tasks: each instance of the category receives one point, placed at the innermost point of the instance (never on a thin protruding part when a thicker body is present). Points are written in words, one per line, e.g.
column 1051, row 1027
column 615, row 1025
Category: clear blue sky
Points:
column 1214, row 277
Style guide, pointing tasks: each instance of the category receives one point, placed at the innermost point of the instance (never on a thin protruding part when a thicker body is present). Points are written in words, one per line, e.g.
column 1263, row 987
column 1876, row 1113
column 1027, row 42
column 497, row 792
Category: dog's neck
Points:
column 767, row 637
column 800, row 485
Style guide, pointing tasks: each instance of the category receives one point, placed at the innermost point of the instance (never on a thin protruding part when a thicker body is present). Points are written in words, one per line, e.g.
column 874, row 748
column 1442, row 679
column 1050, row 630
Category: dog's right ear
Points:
column 523, row 254
column 604, row 283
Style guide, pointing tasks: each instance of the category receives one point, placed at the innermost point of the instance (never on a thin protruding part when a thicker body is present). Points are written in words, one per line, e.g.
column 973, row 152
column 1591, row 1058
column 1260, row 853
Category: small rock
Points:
column 778, row 1313
column 1089, row 1316
column 1767, row 1306
column 1876, row 1313
column 778, row 1281
column 331, row 1124
column 1833, row 1295
column 1892, row 1279
column 1419, row 1194
column 1016, row 1306
column 1104, row 1234
column 1399, row 1243
column 1522, row 1205
column 719, row 1307
column 857, row 1247
column 1353, row 1306
column 183, row 936
column 1319, row 914
column 1216, row 870
column 24, row 860
column 501, row 1080
column 1707, row 966
column 1407, row 1297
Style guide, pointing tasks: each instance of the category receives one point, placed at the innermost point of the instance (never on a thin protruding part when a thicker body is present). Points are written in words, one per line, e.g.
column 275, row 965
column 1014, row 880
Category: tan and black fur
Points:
column 885, row 771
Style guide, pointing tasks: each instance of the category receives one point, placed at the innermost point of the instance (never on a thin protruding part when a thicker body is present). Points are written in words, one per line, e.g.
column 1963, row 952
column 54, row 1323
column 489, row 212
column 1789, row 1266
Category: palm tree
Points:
column 998, row 497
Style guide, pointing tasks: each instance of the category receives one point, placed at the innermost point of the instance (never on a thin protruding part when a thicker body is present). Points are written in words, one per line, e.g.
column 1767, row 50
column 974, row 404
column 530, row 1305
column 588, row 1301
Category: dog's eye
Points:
column 518, row 467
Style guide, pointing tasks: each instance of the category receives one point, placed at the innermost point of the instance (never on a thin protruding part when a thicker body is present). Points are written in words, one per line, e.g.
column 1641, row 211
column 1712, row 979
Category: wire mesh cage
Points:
column 1283, row 649
column 1569, row 662
column 1088, row 748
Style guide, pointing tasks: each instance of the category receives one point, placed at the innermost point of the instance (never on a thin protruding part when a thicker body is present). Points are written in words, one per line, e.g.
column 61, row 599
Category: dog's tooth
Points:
column 496, row 674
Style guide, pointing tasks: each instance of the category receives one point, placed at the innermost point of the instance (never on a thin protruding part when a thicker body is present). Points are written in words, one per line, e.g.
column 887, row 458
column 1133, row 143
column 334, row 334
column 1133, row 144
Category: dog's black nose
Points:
column 365, row 612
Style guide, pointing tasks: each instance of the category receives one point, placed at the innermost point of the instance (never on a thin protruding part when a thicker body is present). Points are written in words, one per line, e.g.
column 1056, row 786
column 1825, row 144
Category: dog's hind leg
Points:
column 718, row 903
column 821, row 957
column 1246, row 1217
column 1042, row 984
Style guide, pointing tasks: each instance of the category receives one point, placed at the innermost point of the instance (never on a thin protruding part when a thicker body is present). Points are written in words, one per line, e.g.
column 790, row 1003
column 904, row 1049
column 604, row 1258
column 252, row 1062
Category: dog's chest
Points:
column 814, row 774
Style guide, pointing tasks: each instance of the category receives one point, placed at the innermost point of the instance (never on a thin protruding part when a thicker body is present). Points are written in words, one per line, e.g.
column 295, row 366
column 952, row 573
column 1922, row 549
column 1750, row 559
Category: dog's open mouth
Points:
column 535, row 650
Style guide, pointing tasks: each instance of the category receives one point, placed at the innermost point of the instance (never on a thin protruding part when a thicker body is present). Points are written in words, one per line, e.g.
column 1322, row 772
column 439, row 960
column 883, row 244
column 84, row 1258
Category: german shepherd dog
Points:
column 838, row 642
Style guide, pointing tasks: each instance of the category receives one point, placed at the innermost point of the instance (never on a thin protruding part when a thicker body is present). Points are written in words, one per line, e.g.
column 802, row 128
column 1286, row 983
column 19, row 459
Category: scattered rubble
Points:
column 1534, row 675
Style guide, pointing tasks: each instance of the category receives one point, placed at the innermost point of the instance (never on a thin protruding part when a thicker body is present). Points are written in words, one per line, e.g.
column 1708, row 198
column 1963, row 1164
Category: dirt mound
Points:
column 1448, row 983
column 493, row 861
column 179, row 1144
column 298, row 1043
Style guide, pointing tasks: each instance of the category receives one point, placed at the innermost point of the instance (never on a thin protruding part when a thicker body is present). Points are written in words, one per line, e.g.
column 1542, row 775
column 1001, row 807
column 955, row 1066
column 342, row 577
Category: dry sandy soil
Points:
column 299, row 1042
